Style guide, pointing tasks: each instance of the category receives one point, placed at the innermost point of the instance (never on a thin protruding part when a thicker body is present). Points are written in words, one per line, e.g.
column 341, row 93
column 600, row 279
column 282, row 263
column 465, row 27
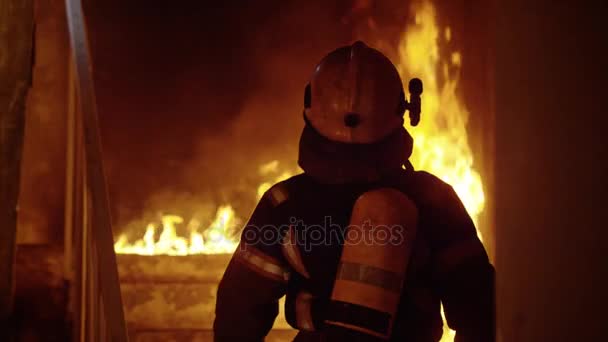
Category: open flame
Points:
column 441, row 145
column 215, row 239
column 221, row 236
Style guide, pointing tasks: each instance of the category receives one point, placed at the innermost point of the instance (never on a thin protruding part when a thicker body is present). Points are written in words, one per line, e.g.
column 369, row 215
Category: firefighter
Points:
column 364, row 247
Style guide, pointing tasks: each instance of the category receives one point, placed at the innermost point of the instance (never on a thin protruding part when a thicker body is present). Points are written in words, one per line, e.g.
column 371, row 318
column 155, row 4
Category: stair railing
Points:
column 96, row 303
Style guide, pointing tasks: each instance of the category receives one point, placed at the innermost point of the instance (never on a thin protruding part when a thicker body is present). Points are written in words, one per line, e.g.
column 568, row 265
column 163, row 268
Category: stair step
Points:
column 174, row 294
column 166, row 268
column 174, row 306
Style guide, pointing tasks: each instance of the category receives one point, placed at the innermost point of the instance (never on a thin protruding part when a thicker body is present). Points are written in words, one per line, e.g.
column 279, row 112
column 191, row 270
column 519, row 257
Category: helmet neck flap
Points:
column 336, row 162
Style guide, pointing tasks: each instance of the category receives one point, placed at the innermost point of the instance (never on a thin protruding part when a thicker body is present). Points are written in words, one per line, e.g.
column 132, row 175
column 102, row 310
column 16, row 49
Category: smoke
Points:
column 194, row 99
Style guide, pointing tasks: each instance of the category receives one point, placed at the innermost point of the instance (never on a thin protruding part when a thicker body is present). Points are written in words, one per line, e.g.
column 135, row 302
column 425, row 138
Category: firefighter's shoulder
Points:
column 431, row 190
column 281, row 192
column 443, row 208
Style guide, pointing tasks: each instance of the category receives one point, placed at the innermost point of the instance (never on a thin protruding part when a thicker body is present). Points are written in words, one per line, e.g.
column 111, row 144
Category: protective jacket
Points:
column 294, row 238
column 353, row 151
column 292, row 245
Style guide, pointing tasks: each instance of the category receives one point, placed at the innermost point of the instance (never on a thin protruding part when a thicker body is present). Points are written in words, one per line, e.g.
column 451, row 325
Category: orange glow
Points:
column 441, row 147
column 215, row 239
column 441, row 142
column 219, row 237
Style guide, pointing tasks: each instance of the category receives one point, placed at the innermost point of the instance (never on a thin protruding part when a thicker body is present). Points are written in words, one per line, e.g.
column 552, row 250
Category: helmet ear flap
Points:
column 307, row 96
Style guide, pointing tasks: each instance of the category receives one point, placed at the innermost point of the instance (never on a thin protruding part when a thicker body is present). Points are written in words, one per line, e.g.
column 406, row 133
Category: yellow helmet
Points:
column 355, row 96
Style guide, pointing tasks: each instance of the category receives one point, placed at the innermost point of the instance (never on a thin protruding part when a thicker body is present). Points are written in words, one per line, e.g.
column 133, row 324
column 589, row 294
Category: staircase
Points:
column 172, row 298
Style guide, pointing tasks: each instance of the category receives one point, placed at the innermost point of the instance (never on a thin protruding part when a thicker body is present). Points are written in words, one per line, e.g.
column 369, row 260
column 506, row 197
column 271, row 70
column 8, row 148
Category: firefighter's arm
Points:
column 464, row 276
column 256, row 277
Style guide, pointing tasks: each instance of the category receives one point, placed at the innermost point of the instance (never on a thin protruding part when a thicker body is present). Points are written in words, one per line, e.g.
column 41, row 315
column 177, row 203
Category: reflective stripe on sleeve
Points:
column 278, row 194
column 292, row 253
column 261, row 263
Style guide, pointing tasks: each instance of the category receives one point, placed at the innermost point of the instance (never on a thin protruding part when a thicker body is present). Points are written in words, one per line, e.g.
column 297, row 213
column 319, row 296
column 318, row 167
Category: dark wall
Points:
column 551, row 169
column 41, row 198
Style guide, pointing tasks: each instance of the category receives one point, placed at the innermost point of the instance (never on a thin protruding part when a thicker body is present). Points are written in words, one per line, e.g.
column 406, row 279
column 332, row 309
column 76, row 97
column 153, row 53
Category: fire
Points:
column 441, row 146
column 219, row 237
column 215, row 239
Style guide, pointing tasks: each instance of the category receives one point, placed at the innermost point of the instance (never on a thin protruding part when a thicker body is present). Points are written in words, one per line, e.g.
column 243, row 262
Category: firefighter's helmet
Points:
column 355, row 95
